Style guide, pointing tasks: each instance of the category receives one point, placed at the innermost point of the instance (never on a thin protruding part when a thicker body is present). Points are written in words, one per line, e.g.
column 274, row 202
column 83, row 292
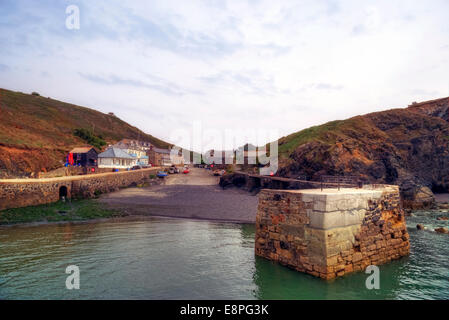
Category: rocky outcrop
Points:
column 408, row 147
column 24, row 162
column 442, row 230
column 417, row 197
column 435, row 108
column 233, row 179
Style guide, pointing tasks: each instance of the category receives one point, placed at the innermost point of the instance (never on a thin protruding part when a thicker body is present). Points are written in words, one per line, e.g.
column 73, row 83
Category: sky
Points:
column 272, row 66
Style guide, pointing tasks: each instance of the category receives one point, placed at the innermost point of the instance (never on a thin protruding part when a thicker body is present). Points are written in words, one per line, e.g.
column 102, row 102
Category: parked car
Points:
column 136, row 167
column 174, row 169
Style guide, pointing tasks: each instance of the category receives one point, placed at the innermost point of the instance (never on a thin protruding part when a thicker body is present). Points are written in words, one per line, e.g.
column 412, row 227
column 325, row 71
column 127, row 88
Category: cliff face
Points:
column 408, row 147
column 37, row 132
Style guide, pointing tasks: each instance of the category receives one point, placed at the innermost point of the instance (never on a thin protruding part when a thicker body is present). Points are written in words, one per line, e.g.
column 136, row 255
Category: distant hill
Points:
column 36, row 132
column 408, row 147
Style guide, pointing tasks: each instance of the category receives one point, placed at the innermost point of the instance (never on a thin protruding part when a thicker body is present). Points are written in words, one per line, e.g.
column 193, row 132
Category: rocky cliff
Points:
column 408, row 147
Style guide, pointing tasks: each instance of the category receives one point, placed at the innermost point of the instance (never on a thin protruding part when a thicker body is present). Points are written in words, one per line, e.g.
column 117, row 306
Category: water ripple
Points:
column 182, row 259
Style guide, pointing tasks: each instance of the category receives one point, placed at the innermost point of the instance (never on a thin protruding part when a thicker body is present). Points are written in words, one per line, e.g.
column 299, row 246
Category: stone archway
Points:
column 63, row 192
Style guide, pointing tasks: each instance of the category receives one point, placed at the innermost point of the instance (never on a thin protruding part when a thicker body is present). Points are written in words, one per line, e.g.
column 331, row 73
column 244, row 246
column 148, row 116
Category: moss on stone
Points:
column 74, row 210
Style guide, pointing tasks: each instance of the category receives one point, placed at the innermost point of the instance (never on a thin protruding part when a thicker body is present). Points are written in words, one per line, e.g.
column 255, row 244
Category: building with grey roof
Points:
column 116, row 158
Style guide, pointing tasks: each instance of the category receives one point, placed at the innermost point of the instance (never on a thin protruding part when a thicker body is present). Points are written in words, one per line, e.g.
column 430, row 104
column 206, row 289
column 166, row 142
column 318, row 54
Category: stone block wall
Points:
column 31, row 193
column 73, row 171
column 96, row 184
column 331, row 233
column 16, row 193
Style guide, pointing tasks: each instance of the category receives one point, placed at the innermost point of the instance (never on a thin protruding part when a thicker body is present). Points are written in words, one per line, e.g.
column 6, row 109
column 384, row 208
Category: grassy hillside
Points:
column 328, row 134
column 36, row 132
column 407, row 147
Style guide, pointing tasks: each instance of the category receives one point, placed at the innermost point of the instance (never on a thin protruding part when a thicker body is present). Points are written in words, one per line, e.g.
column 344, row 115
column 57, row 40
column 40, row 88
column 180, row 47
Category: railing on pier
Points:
column 339, row 181
column 326, row 181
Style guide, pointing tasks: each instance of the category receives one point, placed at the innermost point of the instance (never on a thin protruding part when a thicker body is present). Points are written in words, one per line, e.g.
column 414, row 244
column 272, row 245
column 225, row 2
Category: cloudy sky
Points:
column 285, row 65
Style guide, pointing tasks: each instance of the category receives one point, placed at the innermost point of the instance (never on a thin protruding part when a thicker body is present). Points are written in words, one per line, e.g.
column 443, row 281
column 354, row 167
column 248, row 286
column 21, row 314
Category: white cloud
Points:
column 285, row 65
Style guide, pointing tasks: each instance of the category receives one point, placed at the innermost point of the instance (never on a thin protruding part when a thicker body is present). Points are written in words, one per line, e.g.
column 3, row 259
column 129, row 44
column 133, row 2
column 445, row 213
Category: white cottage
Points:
column 116, row 158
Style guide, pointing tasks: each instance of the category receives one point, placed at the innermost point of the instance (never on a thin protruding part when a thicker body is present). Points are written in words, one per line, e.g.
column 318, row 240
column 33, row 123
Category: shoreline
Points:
column 195, row 197
column 129, row 218
column 142, row 217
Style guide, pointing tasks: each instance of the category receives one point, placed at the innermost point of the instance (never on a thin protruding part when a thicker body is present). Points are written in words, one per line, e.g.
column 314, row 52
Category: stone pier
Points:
column 332, row 232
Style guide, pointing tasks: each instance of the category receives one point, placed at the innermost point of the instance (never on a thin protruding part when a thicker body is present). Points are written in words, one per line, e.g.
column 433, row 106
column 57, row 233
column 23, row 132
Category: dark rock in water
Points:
column 442, row 230
column 420, row 226
column 416, row 196
column 443, row 218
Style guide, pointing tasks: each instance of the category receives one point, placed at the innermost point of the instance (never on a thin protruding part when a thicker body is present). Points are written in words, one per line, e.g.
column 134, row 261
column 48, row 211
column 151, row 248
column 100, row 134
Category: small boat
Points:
column 186, row 171
column 161, row 174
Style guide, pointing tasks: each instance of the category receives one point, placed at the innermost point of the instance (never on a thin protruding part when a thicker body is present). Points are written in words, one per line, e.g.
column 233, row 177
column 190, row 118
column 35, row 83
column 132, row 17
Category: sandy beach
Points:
column 442, row 197
column 195, row 195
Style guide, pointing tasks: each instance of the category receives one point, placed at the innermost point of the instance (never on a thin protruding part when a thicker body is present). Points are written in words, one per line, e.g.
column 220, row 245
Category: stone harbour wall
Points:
column 331, row 233
column 15, row 193
column 73, row 171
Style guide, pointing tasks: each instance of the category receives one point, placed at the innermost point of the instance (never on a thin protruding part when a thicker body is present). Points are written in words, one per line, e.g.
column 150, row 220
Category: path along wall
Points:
column 15, row 193
column 330, row 233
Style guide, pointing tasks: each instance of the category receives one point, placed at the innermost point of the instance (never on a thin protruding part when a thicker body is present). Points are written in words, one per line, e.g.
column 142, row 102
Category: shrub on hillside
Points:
column 90, row 138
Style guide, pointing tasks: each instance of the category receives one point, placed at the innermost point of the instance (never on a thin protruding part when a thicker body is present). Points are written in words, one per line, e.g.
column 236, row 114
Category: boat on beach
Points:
column 161, row 174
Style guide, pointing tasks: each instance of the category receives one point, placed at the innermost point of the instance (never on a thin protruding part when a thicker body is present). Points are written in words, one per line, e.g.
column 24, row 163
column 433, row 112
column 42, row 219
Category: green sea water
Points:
column 161, row 258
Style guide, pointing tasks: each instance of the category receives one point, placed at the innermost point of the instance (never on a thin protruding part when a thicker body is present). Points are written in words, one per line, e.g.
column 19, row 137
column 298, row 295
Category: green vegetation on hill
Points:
column 90, row 138
column 329, row 133
column 291, row 142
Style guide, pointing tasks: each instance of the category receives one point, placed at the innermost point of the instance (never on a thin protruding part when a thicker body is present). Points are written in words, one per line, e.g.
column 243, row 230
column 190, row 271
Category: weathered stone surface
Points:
column 30, row 192
column 331, row 233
